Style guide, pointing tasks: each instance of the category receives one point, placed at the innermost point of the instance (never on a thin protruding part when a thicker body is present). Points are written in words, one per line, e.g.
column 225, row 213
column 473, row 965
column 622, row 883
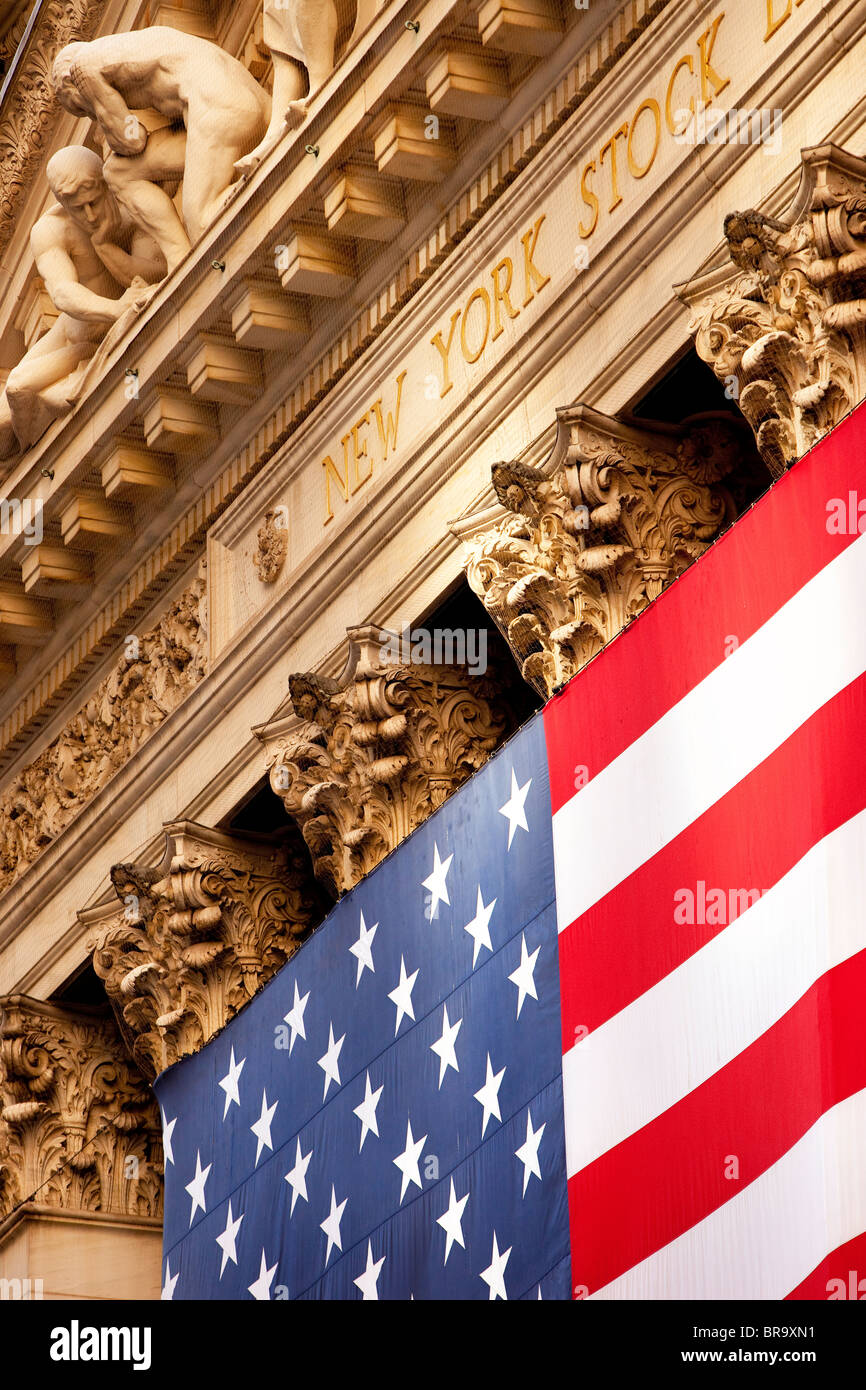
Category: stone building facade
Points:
column 329, row 332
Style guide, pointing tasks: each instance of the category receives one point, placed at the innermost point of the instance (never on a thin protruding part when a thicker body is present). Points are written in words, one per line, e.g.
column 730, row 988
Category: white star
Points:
column 229, row 1082
column 262, row 1127
column 331, row 1224
column 436, row 881
column 297, row 1177
column 170, row 1281
column 524, row 976
column 261, row 1289
column 226, row 1241
column 528, row 1152
column 366, row 1111
column 488, row 1096
column 479, row 927
column 362, row 948
column 196, row 1187
column 407, row 1161
column 451, row 1222
column 330, row 1063
column 494, row 1274
column 167, row 1132
column 444, row 1046
column 295, row 1018
column 367, row 1281
column 514, row 808
column 402, row 996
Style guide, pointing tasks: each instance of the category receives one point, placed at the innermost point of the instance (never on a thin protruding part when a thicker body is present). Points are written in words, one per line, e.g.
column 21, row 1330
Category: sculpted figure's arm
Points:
column 143, row 261
column 57, row 269
column 123, row 132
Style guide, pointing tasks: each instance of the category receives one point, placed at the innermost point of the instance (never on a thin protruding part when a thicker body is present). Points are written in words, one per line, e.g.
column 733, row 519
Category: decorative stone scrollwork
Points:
column 377, row 751
column 785, row 329
column 79, row 1128
column 593, row 535
column 196, row 937
column 149, row 681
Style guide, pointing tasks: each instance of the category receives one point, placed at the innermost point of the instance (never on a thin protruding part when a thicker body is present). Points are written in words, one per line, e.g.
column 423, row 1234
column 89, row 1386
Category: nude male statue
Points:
column 86, row 249
column 297, row 32
column 217, row 110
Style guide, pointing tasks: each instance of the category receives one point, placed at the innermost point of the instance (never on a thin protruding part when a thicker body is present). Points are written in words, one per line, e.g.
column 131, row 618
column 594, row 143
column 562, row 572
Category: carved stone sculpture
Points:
column 377, row 751
column 29, row 104
column 86, row 250
column 785, row 326
column 79, row 1128
column 297, row 32
column 593, row 535
column 215, row 109
column 272, row 544
column 195, row 938
column 161, row 667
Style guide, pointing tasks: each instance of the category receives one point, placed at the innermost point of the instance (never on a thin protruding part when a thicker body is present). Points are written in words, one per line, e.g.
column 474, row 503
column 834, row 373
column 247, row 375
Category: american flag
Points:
column 596, row 1029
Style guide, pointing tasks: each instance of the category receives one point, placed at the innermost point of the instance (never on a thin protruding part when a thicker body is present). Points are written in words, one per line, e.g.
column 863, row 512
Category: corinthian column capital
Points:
column 190, row 941
column 366, row 758
column 783, row 322
column 579, row 545
column 79, row 1128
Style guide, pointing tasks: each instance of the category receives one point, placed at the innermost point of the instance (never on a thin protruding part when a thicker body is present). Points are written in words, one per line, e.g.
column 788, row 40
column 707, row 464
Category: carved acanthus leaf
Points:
column 374, row 753
column 785, row 325
column 195, row 938
column 79, row 1128
column 592, row 536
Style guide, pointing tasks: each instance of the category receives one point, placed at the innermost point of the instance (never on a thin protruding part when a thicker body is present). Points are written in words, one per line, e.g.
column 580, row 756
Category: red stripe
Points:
column 628, row 941
column 758, row 565
column 659, row 1182
column 844, row 1261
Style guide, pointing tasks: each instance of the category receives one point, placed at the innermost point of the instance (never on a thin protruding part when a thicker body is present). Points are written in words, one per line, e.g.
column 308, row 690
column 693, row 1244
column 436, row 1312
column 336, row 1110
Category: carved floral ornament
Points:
column 149, row 680
column 79, row 1128
column 784, row 326
column 591, row 537
column 366, row 758
column 193, row 939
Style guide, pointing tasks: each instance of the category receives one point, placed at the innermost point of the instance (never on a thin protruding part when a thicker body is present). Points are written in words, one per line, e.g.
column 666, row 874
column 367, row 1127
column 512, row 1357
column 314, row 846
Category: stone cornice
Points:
column 289, row 413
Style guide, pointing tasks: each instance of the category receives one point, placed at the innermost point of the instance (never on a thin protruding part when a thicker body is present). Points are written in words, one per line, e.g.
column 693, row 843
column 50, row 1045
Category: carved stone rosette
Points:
column 79, row 1128
column 377, row 751
column 785, row 326
column 195, row 938
column 146, row 685
column 593, row 535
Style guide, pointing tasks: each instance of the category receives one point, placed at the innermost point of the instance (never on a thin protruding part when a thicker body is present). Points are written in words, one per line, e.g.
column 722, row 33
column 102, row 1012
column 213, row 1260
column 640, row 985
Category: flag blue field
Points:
column 385, row 1118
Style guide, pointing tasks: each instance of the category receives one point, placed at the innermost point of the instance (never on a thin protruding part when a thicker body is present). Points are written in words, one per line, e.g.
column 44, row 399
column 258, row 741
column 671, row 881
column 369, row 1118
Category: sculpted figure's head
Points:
column 75, row 178
column 63, row 78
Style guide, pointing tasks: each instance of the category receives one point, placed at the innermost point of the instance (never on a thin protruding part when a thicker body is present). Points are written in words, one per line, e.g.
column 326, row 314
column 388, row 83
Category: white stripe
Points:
column 713, row 1006
column 722, row 729
column 771, row 1235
